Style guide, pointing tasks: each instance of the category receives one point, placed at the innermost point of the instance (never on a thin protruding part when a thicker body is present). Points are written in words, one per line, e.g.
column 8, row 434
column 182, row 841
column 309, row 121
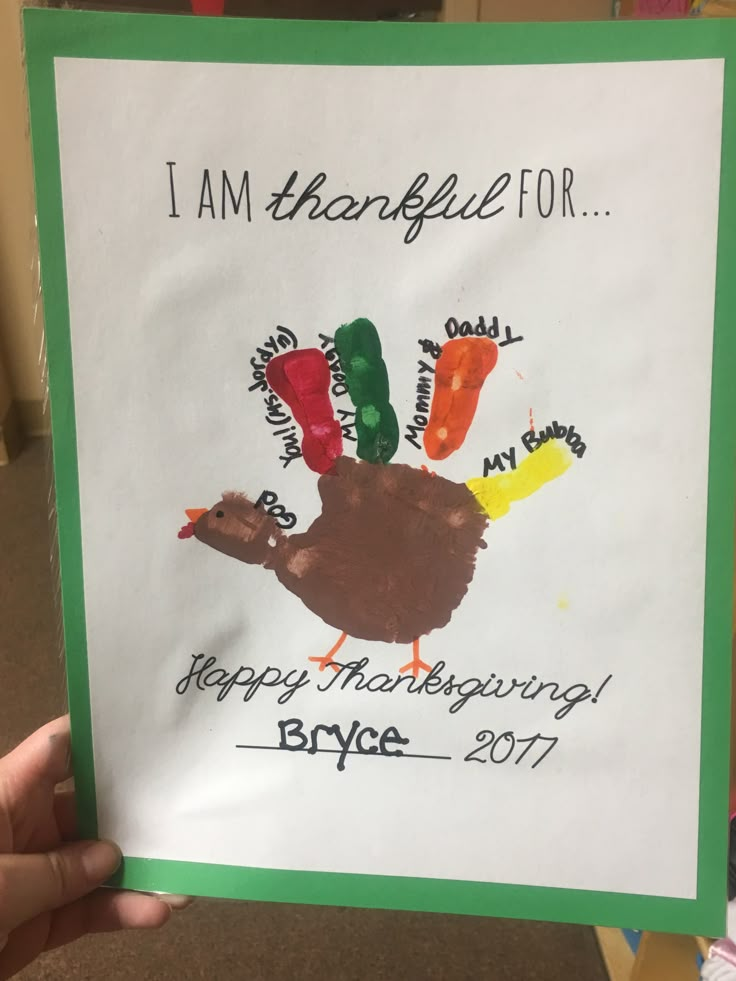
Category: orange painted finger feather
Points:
column 463, row 366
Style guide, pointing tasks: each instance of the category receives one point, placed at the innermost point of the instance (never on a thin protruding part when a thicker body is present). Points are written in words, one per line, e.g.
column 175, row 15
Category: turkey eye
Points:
column 219, row 514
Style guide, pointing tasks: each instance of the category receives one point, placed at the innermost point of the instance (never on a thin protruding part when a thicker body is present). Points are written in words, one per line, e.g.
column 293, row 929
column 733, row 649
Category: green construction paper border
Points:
column 51, row 33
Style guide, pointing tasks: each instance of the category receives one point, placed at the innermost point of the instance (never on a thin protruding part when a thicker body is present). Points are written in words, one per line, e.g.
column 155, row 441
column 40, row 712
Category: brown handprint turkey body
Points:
column 389, row 558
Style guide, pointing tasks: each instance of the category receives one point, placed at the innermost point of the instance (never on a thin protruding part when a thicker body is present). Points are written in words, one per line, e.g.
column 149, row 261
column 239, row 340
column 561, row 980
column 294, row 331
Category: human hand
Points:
column 49, row 883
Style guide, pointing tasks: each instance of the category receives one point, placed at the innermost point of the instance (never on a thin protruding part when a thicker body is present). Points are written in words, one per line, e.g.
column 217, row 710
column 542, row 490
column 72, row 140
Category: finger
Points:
column 65, row 814
column 44, row 755
column 104, row 911
column 34, row 884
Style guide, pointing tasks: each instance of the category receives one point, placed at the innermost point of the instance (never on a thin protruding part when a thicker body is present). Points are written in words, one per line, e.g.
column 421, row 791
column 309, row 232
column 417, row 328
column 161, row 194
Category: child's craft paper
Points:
column 390, row 374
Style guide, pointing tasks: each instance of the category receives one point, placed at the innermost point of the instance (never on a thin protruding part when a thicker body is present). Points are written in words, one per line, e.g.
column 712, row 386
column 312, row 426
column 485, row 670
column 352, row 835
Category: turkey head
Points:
column 236, row 527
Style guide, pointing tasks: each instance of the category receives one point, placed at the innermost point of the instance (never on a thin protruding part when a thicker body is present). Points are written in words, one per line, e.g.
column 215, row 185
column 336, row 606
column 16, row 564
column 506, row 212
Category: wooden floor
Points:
column 220, row 941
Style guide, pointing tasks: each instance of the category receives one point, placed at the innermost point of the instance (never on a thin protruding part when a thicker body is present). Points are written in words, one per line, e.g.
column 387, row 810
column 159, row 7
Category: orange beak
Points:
column 194, row 514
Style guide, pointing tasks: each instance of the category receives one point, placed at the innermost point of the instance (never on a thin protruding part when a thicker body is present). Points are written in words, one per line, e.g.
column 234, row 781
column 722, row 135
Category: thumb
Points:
column 33, row 884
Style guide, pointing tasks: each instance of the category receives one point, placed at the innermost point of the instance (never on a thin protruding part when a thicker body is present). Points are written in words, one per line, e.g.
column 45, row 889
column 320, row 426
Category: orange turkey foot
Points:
column 329, row 657
column 326, row 661
column 416, row 664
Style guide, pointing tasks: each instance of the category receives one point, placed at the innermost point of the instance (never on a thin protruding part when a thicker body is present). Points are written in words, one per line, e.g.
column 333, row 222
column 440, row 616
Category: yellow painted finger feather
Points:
column 496, row 494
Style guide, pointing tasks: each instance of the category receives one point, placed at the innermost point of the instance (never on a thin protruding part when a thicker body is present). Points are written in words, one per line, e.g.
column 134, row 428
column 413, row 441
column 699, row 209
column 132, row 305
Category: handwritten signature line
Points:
column 351, row 752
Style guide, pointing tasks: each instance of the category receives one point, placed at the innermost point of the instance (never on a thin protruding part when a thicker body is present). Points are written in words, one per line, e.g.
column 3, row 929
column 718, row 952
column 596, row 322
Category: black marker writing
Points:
column 173, row 214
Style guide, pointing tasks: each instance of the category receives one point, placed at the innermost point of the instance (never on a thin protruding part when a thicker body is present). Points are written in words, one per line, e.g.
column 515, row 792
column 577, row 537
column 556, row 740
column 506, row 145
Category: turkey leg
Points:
column 416, row 664
column 330, row 655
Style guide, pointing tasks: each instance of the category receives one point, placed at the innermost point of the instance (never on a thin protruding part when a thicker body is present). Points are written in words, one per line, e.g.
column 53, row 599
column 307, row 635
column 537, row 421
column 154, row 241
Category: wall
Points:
column 20, row 336
column 527, row 10
column 524, row 10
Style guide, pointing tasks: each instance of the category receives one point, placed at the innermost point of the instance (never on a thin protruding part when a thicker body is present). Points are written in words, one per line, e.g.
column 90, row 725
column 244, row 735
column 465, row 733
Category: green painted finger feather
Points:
column 358, row 347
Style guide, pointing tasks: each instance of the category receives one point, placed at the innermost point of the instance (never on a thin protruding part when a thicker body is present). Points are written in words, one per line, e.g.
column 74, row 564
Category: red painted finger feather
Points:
column 302, row 380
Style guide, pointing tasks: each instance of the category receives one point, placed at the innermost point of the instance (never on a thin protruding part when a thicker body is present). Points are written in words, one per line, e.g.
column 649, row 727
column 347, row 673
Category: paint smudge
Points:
column 496, row 494
column 519, row 375
column 531, row 421
column 563, row 603
column 460, row 372
column 358, row 347
column 302, row 380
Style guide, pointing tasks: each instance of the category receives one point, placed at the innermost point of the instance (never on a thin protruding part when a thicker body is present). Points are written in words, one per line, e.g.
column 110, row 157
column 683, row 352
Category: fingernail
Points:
column 100, row 859
column 175, row 902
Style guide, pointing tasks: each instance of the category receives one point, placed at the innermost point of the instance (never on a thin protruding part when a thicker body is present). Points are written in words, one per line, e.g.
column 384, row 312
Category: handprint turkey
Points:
column 365, row 565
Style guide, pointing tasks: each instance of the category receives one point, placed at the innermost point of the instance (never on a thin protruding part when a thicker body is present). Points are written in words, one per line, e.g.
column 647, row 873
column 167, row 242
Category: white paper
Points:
column 599, row 573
